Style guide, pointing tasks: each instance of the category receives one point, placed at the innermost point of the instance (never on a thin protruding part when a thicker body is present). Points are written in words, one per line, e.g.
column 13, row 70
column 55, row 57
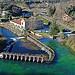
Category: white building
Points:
column 31, row 23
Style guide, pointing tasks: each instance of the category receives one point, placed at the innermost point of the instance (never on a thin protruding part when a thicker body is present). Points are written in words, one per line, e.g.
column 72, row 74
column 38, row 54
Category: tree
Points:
column 1, row 5
column 10, row 17
column 61, row 37
column 70, row 11
column 53, row 29
column 23, row 15
column 6, row 15
column 49, row 23
column 24, row 4
column 52, row 10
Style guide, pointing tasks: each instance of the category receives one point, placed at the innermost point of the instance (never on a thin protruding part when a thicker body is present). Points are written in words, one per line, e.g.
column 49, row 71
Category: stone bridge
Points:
column 24, row 57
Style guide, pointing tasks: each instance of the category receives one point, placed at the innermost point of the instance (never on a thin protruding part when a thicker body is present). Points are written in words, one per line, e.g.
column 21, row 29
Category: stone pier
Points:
column 29, row 58
column 17, row 57
column 6, row 56
column 9, row 56
column 13, row 56
column 33, row 58
column 25, row 58
column 37, row 59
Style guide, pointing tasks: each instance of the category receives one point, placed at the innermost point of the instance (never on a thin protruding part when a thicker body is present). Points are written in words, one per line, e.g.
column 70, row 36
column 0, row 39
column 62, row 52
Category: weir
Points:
column 43, row 47
column 17, row 56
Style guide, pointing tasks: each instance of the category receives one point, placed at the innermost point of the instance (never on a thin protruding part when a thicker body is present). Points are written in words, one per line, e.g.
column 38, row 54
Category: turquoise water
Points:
column 63, row 64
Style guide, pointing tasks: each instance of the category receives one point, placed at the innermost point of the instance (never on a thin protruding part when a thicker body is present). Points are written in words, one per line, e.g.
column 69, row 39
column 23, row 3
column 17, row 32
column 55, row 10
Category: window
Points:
column 22, row 23
column 21, row 26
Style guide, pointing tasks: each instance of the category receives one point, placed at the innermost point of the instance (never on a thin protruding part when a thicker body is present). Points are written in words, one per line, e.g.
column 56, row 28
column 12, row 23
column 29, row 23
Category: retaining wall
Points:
column 43, row 47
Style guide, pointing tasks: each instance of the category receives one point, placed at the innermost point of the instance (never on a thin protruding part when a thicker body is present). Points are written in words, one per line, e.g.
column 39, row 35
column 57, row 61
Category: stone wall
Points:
column 43, row 47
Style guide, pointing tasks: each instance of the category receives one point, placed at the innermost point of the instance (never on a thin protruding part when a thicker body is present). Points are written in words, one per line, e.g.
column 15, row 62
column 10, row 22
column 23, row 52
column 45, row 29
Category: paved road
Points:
column 68, row 29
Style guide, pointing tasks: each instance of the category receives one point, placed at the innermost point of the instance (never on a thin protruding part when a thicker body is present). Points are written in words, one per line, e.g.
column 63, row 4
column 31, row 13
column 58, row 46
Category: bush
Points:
column 70, row 41
column 53, row 29
column 3, row 19
column 70, row 11
column 52, row 10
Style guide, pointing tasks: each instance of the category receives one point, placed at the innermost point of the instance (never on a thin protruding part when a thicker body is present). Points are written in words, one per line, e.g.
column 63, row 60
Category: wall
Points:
column 43, row 47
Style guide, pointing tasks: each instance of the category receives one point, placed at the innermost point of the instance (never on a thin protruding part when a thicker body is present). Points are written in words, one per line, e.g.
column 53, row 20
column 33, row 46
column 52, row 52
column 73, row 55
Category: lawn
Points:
column 45, row 20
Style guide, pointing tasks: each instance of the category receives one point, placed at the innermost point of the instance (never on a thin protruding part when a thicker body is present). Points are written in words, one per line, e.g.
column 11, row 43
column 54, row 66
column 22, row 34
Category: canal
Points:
column 63, row 64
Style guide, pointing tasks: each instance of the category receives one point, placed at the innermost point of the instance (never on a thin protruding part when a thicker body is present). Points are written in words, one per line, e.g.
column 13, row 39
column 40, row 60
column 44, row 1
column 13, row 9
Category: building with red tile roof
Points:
column 31, row 23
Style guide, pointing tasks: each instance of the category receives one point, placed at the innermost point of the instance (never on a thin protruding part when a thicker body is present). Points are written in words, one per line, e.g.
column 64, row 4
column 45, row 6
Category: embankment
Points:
column 43, row 47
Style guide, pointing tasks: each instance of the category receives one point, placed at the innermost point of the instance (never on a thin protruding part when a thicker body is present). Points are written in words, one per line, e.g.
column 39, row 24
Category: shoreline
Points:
column 4, row 26
column 10, row 30
column 72, row 50
column 32, row 47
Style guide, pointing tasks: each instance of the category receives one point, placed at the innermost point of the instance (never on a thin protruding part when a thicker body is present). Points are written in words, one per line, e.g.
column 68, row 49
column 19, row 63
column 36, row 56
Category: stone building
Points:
column 35, row 23
column 31, row 23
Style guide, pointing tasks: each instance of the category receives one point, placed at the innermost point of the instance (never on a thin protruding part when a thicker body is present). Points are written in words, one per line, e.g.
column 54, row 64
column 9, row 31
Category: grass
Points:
column 44, row 34
column 45, row 20
column 61, row 28
column 67, row 25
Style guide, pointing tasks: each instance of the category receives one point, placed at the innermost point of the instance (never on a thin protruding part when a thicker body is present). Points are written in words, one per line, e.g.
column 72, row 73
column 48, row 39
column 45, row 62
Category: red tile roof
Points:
column 18, row 21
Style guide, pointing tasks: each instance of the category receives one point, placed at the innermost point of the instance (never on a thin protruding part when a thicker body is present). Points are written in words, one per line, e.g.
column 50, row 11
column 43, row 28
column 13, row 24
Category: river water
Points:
column 63, row 64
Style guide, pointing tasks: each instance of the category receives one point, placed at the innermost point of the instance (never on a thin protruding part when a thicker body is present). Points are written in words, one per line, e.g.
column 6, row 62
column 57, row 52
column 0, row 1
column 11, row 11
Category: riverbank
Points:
column 28, row 46
column 62, row 59
column 3, row 42
column 12, row 28
column 68, row 41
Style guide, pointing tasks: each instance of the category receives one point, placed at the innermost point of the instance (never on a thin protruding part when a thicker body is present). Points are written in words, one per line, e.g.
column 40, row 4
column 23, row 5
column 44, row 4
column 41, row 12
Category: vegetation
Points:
column 52, row 10
column 61, row 37
column 3, row 19
column 24, row 4
column 68, row 41
column 53, row 29
column 45, row 20
column 61, row 29
column 13, row 9
column 70, row 11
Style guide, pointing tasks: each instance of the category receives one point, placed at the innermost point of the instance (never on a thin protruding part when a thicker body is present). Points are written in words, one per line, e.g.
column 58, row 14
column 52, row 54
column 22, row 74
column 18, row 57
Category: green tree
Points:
column 6, row 15
column 53, row 29
column 70, row 11
column 1, row 5
column 23, row 15
column 49, row 23
column 10, row 17
column 52, row 10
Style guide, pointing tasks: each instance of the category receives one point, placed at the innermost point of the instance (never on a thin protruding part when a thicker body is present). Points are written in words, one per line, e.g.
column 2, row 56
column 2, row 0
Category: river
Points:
column 63, row 64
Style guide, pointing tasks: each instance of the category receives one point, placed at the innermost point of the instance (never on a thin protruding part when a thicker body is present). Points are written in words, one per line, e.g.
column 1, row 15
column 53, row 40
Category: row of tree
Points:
column 13, row 9
column 52, row 1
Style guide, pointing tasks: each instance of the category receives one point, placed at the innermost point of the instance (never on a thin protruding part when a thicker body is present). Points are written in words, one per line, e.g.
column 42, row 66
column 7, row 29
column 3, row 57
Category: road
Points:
column 66, row 28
